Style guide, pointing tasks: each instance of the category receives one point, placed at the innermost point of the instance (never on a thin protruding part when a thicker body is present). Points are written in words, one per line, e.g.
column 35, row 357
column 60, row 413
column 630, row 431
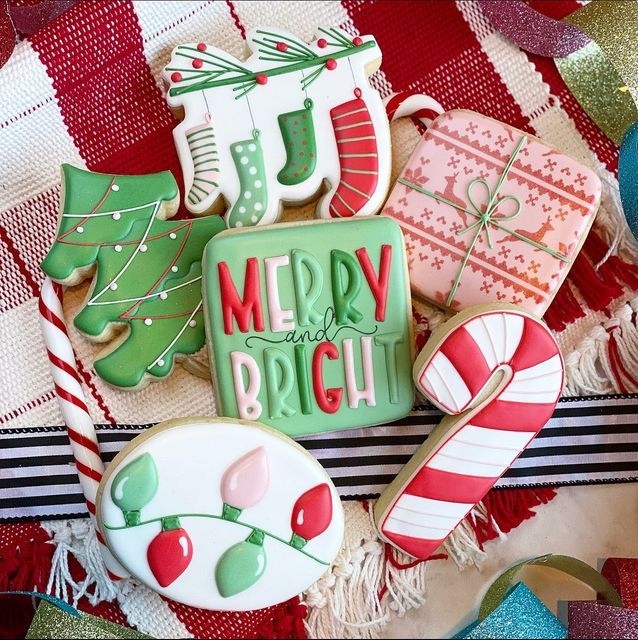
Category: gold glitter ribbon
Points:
column 603, row 75
column 571, row 566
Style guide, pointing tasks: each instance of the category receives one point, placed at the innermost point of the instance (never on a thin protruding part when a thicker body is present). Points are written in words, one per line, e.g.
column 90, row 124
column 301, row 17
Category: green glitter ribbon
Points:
column 486, row 219
column 603, row 75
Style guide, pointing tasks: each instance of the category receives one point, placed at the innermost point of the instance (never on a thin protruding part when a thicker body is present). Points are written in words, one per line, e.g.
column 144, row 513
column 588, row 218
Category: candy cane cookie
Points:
column 498, row 372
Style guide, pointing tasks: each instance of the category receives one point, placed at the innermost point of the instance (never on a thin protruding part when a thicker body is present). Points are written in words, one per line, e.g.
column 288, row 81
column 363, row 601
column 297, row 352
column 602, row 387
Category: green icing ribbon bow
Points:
column 486, row 219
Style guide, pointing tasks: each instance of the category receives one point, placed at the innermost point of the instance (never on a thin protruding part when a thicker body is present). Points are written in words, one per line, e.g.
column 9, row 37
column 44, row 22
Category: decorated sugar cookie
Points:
column 222, row 514
column 309, row 324
column 491, row 214
column 497, row 371
column 291, row 122
column 146, row 289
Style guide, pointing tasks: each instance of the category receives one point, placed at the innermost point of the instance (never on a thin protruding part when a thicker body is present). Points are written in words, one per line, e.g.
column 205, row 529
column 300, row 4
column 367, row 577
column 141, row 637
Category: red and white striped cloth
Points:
column 86, row 90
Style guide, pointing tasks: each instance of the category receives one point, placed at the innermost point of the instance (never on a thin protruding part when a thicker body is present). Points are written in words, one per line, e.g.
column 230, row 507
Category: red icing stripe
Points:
column 514, row 416
column 536, row 346
column 467, row 358
column 417, row 547
column 449, row 487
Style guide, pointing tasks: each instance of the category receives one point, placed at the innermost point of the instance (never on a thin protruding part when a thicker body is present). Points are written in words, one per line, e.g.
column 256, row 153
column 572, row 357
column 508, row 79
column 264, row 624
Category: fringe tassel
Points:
column 606, row 361
column 26, row 567
column 77, row 538
column 564, row 309
column 366, row 583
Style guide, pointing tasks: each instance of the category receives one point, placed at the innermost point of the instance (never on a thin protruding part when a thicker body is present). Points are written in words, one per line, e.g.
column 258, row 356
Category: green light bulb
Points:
column 241, row 565
column 134, row 486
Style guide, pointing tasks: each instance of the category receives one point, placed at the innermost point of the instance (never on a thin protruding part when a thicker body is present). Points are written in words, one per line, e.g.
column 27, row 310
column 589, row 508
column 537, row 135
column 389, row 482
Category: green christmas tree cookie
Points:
column 146, row 270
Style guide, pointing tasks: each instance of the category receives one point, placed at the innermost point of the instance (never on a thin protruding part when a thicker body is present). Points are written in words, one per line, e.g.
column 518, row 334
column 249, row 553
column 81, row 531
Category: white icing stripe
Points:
column 479, row 332
column 496, row 438
column 463, row 466
column 529, row 395
column 392, row 525
column 450, row 389
column 358, row 139
column 433, row 507
column 550, row 366
column 350, row 113
column 424, row 519
column 549, row 383
column 350, row 126
column 513, row 333
column 110, row 213
column 150, row 295
column 490, row 456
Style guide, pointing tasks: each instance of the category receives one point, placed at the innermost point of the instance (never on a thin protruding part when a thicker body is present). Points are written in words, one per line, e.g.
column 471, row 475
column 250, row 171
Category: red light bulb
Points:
column 312, row 512
column 170, row 552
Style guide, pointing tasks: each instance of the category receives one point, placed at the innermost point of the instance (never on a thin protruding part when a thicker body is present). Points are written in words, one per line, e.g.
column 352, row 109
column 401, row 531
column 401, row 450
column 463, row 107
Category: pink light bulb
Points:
column 245, row 482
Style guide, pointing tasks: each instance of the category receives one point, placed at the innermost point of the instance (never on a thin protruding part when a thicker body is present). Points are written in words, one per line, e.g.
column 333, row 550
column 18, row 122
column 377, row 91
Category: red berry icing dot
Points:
column 176, row 76
column 322, row 43
column 282, row 46
column 197, row 63
column 202, row 46
column 331, row 64
column 261, row 78
column 357, row 42
column 357, row 92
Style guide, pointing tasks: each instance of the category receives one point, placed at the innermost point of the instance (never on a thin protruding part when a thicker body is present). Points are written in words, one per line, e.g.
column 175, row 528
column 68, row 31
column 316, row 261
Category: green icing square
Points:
column 326, row 319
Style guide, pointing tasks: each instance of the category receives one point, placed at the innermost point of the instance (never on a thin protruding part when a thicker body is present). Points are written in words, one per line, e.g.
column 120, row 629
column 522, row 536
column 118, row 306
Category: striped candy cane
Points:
column 75, row 413
column 413, row 104
column 498, row 372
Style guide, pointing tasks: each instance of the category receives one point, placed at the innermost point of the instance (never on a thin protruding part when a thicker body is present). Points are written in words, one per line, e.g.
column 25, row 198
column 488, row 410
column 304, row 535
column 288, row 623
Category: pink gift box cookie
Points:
column 490, row 214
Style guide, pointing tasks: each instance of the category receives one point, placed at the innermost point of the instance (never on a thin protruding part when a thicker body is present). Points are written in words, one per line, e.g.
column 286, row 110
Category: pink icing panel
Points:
column 558, row 199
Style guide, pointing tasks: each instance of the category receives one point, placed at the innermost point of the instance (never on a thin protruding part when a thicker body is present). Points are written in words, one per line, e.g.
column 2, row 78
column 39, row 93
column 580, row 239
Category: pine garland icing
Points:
column 203, row 69
column 147, row 274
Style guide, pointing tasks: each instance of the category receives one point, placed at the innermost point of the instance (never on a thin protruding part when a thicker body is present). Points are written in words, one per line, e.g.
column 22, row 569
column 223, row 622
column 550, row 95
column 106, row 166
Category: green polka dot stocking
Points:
column 298, row 134
column 250, row 207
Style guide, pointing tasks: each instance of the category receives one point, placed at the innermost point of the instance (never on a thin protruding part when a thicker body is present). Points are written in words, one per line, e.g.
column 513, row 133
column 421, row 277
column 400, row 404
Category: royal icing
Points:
column 280, row 125
column 147, row 270
column 208, row 512
column 497, row 371
column 314, row 338
column 491, row 214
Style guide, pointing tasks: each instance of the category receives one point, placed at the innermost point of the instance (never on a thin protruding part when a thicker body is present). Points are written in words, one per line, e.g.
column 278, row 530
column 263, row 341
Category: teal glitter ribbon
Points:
column 486, row 219
column 628, row 177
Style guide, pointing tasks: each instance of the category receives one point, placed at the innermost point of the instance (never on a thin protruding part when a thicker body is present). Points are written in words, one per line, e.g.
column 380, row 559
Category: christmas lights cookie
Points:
column 280, row 125
column 223, row 514
column 145, row 270
column 309, row 324
column 497, row 370
column 491, row 214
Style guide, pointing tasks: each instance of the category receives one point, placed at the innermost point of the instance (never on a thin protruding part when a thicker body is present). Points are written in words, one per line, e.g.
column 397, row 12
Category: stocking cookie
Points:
column 280, row 125
column 309, row 324
column 491, row 214
column 146, row 289
column 209, row 512
column 498, row 372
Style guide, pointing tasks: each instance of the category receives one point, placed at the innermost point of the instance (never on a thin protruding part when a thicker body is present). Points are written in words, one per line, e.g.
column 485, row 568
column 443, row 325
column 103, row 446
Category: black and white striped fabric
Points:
column 588, row 440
